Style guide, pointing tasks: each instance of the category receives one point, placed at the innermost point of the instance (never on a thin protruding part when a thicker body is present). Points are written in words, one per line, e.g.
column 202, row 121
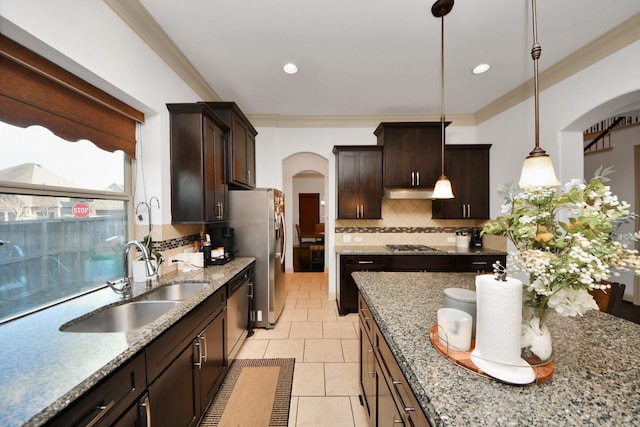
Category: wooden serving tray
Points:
column 543, row 372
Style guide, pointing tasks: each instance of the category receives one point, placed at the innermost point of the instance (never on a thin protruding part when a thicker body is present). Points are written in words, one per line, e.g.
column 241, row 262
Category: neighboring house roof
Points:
column 33, row 173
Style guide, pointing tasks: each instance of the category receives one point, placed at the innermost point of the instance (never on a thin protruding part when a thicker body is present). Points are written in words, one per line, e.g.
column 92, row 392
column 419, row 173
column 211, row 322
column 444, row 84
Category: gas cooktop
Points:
column 410, row 248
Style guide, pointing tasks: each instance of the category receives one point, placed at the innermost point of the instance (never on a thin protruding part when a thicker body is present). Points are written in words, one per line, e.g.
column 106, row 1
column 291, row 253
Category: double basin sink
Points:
column 136, row 313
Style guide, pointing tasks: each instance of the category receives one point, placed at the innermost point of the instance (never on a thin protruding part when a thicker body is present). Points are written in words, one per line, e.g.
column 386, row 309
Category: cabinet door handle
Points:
column 418, row 179
column 468, row 211
column 204, row 344
column 147, row 407
column 464, row 210
column 103, row 411
column 413, row 179
column 196, row 343
column 365, row 262
column 364, row 313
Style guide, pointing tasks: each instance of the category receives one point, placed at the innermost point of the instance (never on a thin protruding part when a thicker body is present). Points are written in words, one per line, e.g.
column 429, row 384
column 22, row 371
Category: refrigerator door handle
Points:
column 283, row 239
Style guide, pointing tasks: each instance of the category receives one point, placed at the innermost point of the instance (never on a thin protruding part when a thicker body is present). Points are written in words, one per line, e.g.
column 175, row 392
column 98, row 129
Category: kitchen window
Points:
column 63, row 218
column 65, row 182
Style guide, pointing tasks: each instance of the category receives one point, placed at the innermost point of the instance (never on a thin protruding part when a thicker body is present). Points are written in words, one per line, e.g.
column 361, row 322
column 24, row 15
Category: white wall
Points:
column 565, row 110
column 89, row 39
column 621, row 157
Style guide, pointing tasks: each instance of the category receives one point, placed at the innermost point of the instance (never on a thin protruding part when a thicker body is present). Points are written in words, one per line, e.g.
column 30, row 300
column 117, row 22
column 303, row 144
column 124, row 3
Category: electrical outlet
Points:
column 346, row 238
column 357, row 239
column 451, row 239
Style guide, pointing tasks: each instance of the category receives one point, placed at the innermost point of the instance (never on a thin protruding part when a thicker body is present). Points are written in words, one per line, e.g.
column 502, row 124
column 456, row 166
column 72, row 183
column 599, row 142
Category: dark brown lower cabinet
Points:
column 210, row 369
column 386, row 395
column 138, row 415
column 104, row 403
column 180, row 394
column 347, row 291
column 173, row 394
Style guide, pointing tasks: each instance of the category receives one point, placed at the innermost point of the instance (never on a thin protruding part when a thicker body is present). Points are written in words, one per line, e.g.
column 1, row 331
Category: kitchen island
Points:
column 44, row 370
column 405, row 258
column 596, row 381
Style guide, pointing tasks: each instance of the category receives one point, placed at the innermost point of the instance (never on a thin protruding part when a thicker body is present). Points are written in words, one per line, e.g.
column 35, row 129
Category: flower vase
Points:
column 536, row 344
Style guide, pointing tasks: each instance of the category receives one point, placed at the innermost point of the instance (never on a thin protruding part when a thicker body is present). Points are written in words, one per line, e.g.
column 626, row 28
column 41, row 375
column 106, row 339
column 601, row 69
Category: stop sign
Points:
column 80, row 210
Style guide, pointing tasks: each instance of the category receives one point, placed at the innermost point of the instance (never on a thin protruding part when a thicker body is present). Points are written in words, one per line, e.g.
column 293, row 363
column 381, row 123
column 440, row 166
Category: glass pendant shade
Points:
column 443, row 189
column 537, row 171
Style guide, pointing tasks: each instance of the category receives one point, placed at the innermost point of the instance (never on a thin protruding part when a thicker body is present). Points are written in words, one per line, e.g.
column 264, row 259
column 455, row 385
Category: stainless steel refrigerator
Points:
column 257, row 216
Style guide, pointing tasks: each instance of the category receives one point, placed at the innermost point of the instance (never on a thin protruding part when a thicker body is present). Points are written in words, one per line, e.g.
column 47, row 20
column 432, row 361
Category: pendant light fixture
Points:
column 537, row 169
column 442, row 189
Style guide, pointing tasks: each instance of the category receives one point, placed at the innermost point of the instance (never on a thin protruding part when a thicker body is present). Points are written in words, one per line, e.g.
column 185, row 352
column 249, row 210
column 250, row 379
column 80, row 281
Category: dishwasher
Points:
column 239, row 306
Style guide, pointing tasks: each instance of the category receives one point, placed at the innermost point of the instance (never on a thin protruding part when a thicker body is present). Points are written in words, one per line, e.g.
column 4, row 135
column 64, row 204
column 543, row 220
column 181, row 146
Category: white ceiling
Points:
column 374, row 57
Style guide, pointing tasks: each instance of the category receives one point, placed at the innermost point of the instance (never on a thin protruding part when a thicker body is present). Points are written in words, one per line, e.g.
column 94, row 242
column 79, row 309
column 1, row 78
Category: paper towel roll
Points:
column 498, row 329
column 499, row 318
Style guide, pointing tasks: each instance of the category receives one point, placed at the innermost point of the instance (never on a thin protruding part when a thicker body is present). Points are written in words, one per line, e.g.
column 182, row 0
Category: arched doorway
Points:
column 303, row 173
column 623, row 154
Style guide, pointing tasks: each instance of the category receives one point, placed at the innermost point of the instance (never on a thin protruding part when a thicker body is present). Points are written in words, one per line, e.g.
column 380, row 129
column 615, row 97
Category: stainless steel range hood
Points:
column 408, row 193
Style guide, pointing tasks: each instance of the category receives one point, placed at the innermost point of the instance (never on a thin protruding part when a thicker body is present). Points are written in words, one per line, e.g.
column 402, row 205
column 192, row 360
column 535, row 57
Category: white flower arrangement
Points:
column 565, row 240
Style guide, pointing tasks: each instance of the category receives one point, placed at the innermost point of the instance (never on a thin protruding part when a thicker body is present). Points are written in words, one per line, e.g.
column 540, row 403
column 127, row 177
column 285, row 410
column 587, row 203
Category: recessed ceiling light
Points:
column 290, row 68
column 481, row 68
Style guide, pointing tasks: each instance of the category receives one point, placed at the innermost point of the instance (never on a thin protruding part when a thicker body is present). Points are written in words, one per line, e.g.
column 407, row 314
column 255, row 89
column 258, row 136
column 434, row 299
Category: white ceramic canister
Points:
column 462, row 299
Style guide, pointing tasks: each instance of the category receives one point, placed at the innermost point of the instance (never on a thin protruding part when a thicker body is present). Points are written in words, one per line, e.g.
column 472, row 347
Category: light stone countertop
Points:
column 596, row 380
column 440, row 250
column 43, row 369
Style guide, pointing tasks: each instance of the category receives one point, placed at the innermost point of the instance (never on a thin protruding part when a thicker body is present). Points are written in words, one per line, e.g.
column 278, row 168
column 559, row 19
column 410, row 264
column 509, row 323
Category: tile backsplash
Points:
column 408, row 222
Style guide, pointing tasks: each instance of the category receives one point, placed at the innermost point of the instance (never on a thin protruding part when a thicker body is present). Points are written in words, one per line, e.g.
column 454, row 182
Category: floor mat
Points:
column 255, row 392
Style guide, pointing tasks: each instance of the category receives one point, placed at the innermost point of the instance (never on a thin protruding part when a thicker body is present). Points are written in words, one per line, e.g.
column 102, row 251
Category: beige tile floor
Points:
column 325, row 345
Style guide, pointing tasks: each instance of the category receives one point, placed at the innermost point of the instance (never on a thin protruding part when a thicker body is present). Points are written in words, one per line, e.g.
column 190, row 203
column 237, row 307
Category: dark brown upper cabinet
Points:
column 241, row 157
column 359, row 181
column 199, row 193
column 467, row 166
column 412, row 153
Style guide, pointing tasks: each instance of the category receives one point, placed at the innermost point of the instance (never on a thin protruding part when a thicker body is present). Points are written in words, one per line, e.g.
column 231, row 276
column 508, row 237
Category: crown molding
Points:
column 610, row 42
column 282, row 121
column 134, row 14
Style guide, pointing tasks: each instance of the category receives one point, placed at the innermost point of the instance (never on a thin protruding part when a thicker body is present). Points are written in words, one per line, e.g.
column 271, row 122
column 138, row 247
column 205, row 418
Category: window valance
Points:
column 35, row 91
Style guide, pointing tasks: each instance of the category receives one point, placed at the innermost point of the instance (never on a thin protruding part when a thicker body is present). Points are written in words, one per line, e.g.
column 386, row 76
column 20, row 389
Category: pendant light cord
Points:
column 442, row 131
column 536, row 50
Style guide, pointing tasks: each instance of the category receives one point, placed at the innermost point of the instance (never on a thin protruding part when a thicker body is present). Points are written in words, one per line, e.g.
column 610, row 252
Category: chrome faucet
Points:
column 123, row 285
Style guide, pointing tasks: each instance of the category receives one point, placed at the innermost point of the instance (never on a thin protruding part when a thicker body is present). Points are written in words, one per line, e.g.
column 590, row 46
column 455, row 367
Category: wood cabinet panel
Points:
column 386, row 394
column 412, row 153
column 241, row 164
column 359, row 181
column 211, row 363
column 347, row 292
column 422, row 263
column 173, row 394
column 107, row 400
column 198, row 186
column 467, row 166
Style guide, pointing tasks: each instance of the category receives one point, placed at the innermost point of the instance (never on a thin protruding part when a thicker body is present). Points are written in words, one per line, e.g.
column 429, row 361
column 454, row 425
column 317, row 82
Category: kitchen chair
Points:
column 319, row 232
column 299, row 235
column 609, row 301
column 317, row 257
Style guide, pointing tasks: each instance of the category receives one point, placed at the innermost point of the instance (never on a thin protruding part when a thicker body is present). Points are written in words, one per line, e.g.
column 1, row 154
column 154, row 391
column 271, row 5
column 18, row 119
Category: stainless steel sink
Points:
column 121, row 318
column 175, row 292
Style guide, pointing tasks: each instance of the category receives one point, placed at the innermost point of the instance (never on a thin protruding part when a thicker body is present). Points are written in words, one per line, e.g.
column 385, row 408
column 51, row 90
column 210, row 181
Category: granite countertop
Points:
column 44, row 369
column 440, row 250
column 596, row 379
